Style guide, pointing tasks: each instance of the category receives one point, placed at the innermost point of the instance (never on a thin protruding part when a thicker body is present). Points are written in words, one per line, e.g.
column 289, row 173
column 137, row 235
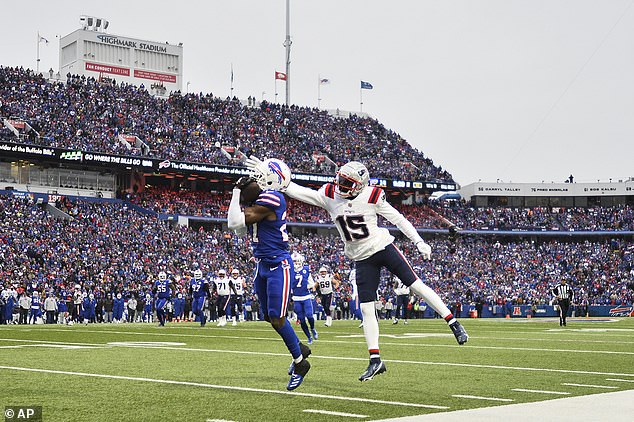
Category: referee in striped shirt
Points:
column 564, row 295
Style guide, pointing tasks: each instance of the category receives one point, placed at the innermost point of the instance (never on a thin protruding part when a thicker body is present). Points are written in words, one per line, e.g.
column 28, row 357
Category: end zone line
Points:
column 331, row 413
column 223, row 387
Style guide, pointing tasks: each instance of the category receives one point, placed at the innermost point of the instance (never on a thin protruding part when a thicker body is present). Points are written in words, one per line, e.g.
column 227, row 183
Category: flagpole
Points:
column 37, row 65
column 318, row 91
column 275, row 90
column 287, row 44
column 361, row 99
column 231, row 96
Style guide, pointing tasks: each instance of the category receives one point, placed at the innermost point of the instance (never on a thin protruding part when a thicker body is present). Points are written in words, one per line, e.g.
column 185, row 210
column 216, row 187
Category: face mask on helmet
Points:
column 272, row 174
column 198, row 274
column 298, row 260
column 351, row 179
column 162, row 276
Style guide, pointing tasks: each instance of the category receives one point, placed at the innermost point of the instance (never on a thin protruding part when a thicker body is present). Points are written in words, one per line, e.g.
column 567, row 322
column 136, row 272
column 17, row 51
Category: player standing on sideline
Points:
column 355, row 305
column 564, row 294
column 402, row 301
column 162, row 292
column 199, row 290
column 302, row 298
column 224, row 289
column 354, row 208
column 265, row 216
column 236, row 299
column 325, row 283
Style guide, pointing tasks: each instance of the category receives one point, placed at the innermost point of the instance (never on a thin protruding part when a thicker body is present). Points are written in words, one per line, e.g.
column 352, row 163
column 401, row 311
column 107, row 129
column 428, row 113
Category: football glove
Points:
column 424, row 249
column 243, row 182
column 252, row 162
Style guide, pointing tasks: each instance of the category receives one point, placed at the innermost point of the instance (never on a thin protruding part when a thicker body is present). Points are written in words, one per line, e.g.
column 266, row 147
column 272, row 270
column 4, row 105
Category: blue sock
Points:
column 311, row 321
column 290, row 339
column 305, row 328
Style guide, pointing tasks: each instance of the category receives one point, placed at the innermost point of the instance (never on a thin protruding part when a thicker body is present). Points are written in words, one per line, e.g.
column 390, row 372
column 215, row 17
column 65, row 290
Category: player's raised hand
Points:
column 424, row 249
column 252, row 162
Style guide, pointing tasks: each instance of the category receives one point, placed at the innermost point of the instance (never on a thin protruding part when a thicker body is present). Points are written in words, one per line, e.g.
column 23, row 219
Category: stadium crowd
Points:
column 109, row 249
column 88, row 114
column 424, row 215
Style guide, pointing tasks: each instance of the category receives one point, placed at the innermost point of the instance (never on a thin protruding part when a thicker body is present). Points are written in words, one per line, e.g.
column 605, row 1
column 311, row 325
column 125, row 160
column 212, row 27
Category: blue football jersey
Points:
column 198, row 289
column 162, row 289
column 270, row 238
column 300, row 286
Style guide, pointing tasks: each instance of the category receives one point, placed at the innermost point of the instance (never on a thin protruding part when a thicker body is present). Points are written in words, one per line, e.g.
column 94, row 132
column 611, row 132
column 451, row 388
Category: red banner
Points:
column 18, row 124
column 154, row 76
column 104, row 68
column 280, row 75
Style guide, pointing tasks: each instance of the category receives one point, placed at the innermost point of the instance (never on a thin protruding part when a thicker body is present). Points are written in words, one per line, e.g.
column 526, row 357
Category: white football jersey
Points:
column 222, row 286
column 356, row 219
column 325, row 283
column 353, row 282
column 238, row 284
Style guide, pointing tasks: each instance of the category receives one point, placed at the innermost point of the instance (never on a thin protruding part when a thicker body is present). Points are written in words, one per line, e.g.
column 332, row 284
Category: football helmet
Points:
column 272, row 174
column 351, row 179
column 162, row 276
column 323, row 271
column 198, row 274
column 235, row 272
column 298, row 260
column 222, row 273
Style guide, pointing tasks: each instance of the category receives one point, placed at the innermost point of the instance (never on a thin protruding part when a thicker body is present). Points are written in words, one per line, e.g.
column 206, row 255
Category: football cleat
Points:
column 373, row 369
column 305, row 353
column 299, row 372
column 395, row 321
column 310, row 341
column 459, row 332
column 315, row 335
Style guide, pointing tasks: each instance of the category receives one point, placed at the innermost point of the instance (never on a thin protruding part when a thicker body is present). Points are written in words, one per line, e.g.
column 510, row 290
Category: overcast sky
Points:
column 520, row 91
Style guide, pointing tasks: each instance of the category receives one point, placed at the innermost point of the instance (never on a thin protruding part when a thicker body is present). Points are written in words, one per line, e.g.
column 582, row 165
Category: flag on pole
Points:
column 324, row 81
column 366, row 85
column 281, row 76
column 43, row 39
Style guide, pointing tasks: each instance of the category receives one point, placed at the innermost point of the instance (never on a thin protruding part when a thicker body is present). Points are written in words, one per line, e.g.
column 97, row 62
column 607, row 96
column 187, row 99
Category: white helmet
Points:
column 162, row 276
column 222, row 273
column 351, row 179
column 272, row 174
column 198, row 274
column 298, row 260
column 235, row 272
column 323, row 270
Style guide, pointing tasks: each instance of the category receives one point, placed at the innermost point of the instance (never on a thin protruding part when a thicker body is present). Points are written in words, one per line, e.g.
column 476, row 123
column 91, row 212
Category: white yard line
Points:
column 589, row 385
column 331, row 413
column 464, row 396
column 526, row 390
column 222, row 387
column 246, row 352
column 619, row 380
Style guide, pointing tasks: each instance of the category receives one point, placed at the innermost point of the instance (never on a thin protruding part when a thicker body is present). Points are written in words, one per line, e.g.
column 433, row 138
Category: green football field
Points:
column 182, row 372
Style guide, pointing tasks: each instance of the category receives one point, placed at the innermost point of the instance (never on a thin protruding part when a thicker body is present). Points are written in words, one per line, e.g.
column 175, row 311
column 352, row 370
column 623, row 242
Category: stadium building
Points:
column 93, row 52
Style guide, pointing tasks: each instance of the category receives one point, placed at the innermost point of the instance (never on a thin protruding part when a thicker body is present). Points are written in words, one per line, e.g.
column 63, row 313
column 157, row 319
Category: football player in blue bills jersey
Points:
column 199, row 291
column 162, row 292
column 265, row 216
column 302, row 297
column 354, row 207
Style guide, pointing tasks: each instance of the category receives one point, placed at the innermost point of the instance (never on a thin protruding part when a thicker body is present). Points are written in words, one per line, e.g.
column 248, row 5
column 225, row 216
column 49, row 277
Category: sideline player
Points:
column 401, row 290
column 265, row 216
column 325, row 283
column 236, row 299
column 354, row 208
column 162, row 293
column 223, row 289
column 302, row 298
column 199, row 291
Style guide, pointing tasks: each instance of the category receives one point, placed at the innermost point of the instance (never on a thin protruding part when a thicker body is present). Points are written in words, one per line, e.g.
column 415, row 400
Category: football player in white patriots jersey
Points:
column 354, row 208
column 236, row 299
column 324, row 284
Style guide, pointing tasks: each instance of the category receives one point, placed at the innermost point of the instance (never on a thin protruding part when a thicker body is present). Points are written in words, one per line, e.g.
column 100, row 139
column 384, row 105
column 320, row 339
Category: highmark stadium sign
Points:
column 153, row 165
column 122, row 42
